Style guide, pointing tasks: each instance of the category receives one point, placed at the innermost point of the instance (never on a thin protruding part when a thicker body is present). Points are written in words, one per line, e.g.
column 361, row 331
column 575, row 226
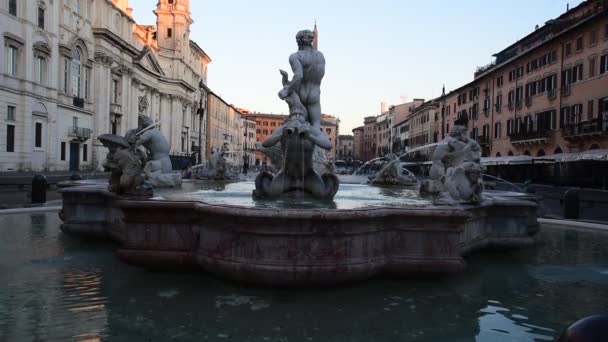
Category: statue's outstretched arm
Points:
column 320, row 139
column 274, row 138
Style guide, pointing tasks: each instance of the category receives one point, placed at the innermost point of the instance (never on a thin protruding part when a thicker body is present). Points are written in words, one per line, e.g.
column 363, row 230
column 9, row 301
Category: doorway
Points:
column 74, row 156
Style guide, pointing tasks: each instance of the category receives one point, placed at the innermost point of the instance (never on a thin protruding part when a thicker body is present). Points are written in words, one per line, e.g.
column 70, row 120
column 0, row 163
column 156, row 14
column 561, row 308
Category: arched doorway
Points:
column 526, row 153
column 540, row 153
column 558, row 150
column 594, row 147
column 498, row 154
column 510, row 154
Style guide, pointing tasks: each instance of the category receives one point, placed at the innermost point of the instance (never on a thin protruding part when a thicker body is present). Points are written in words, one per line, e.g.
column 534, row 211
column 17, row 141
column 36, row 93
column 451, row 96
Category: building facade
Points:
column 423, row 125
column 249, row 135
column 225, row 127
column 400, row 129
column 75, row 69
column 346, row 148
column 358, row 142
column 370, row 138
column 545, row 94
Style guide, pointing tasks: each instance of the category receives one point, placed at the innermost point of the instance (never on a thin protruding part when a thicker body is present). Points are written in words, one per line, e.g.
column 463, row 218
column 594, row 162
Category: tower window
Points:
column 12, row 7
column 41, row 17
column 169, row 33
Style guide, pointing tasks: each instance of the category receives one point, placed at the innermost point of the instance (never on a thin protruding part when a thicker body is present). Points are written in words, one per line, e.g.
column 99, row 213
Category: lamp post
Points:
column 201, row 115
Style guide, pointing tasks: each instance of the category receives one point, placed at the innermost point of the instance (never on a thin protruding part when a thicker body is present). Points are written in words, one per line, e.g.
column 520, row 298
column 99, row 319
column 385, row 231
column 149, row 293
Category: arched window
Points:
column 594, row 147
column 510, row 153
column 558, row 150
column 498, row 154
column 540, row 153
column 526, row 153
column 76, row 72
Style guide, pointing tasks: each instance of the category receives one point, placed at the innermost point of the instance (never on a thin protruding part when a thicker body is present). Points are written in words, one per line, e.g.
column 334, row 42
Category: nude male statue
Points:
column 308, row 66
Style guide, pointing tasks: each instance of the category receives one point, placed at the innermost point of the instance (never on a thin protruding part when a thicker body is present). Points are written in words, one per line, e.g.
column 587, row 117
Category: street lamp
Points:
column 201, row 115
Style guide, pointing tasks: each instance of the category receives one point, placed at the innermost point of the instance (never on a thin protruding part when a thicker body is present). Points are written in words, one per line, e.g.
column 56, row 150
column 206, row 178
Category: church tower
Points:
column 173, row 26
column 315, row 42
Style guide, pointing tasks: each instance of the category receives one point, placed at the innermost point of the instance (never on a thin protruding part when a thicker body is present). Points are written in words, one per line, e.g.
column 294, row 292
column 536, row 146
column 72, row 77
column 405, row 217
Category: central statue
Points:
column 301, row 131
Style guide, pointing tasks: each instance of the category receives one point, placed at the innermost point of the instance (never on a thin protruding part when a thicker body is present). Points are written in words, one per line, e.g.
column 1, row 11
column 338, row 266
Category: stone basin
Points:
column 366, row 231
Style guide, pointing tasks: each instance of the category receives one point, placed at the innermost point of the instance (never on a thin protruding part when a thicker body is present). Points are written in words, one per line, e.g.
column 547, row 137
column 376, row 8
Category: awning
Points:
column 591, row 155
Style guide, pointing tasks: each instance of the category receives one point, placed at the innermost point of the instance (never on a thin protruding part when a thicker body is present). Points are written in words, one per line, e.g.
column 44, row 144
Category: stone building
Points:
column 370, row 138
column 400, row 133
column 545, row 94
column 358, row 142
column 346, row 148
column 249, row 138
column 330, row 125
column 423, row 125
column 225, row 127
column 72, row 70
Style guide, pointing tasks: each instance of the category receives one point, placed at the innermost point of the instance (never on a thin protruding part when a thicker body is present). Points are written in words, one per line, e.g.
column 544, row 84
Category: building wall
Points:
column 358, row 142
column 539, row 121
column 345, row 147
column 118, row 66
column 370, row 138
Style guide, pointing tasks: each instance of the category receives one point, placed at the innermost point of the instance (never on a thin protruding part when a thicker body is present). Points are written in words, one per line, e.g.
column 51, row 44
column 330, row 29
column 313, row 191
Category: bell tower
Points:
column 173, row 26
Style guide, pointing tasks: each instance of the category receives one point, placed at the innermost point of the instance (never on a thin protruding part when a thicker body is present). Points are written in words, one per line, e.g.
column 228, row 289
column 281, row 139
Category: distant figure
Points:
column 187, row 171
column 245, row 168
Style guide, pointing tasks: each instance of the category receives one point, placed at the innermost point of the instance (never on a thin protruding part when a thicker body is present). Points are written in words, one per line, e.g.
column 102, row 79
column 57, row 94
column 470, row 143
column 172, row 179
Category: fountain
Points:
column 298, row 228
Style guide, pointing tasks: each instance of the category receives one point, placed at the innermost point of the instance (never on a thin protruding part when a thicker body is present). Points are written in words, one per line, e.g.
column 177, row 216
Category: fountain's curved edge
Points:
column 297, row 247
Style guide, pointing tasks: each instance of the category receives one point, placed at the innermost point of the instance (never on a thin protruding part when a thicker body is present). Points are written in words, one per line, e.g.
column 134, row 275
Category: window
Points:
column 604, row 64
column 169, row 33
column 577, row 73
column 258, row 131
column 265, row 123
column 511, row 75
column 273, row 124
column 41, row 17
column 38, row 135
column 265, row 131
column 520, row 71
column 40, row 69
column 12, row 7
column 62, row 152
column 592, row 37
column 115, row 91
column 74, row 121
column 65, row 75
column 76, row 68
column 10, row 138
column 592, row 63
column 328, row 130
column 10, row 113
column 590, row 109
column 12, row 61
column 553, row 56
column 499, row 81
column 568, row 49
column 497, row 130
column 77, row 7
column 579, row 43
column 87, row 75
column 498, row 102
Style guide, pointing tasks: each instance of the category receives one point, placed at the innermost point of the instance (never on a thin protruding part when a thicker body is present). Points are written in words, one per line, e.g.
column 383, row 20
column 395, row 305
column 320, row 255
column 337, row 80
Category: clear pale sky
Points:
column 391, row 50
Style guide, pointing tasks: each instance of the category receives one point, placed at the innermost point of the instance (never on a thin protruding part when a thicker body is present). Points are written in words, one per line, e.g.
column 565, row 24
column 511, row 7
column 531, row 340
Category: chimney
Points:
column 383, row 107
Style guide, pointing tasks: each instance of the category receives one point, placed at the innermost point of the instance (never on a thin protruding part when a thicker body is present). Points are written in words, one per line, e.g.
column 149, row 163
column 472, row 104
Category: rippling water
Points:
column 56, row 288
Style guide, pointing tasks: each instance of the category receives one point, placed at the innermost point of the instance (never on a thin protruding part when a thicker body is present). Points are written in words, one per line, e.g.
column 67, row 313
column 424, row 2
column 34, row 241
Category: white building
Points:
column 71, row 70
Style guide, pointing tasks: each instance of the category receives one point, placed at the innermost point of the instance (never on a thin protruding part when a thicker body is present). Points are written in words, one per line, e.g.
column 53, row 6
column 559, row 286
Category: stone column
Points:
column 101, row 120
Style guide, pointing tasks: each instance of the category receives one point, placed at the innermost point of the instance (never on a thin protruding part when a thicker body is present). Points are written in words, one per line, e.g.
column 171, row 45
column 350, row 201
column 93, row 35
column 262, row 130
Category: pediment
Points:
column 148, row 61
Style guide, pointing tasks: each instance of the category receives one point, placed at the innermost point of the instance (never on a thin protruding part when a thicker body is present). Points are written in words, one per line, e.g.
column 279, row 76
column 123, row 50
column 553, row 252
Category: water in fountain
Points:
column 399, row 157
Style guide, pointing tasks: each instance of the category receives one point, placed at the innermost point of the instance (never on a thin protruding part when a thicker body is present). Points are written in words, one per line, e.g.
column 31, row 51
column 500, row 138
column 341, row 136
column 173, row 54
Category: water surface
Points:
column 57, row 288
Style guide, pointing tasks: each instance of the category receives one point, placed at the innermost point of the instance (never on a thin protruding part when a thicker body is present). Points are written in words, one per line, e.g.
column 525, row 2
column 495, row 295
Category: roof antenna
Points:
column 567, row 6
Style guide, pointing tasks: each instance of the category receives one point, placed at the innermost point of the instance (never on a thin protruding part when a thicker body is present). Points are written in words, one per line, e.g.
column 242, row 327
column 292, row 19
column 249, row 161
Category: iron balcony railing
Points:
column 79, row 132
column 530, row 134
column 596, row 126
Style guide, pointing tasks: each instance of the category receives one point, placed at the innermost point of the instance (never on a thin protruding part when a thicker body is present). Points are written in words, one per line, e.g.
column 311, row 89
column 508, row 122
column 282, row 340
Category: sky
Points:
column 382, row 50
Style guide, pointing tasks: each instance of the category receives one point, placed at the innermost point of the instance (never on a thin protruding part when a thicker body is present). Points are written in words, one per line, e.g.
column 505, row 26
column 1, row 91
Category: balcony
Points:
column 531, row 137
column 78, row 102
column 581, row 130
column 552, row 94
column 79, row 133
column 115, row 109
column 483, row 140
